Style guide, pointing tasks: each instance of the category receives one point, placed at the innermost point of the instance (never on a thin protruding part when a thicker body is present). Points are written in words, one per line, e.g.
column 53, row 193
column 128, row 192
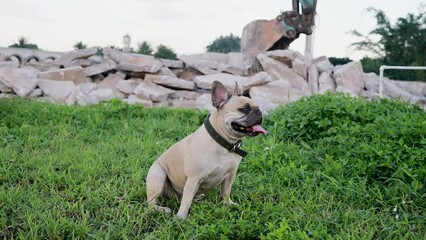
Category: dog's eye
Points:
column 245, row 109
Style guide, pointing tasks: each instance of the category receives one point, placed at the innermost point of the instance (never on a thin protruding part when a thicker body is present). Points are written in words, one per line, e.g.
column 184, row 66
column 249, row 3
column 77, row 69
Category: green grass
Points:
column 331, row 167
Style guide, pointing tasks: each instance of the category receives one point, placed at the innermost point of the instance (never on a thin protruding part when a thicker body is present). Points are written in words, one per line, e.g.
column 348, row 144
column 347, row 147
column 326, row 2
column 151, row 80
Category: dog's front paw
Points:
column 226, row 199
column 181, row 216
column 229, row 202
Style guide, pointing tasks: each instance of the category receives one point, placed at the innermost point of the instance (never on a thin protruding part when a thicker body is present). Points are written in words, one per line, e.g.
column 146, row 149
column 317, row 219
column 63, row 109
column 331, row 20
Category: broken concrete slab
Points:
column 183, row 94
column 151, row 91
column 133, row 99
column 9, row 64
column 170, row 81
column 133, row 62
column 323, row 64
column 103, row 94
column 167, row 72
column 300, row 67
column 265, row 105
column 102, row 67
column 56, row 90
column 70, row 56
column 183, row 103
column 22, row 81
column 313, row 75
column 276, row 92
column 278, row 70
column 111, row 82
column 204, row 102
column 74, row 74
column 169, row 63
column 286, row 56
column 128, row 86
column 414, row 87
column 228, row 80
column 350, row 77
column 326, row 82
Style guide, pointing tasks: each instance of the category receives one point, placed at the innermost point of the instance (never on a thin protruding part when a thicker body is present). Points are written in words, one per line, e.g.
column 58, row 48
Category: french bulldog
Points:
column 209, row 156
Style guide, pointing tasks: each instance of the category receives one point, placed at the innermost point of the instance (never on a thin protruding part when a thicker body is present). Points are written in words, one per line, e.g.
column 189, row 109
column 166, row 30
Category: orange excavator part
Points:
column 258, row 36
column 263, row 35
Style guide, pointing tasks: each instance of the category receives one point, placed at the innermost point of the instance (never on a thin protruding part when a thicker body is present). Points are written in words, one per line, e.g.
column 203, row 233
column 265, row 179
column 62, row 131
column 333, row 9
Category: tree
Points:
column 371, row 64
column 79, row 45
column 225, row 44
column 144, row 48
column 402, row 44
column 165, row 52
column 338, row 61
column 24, row 43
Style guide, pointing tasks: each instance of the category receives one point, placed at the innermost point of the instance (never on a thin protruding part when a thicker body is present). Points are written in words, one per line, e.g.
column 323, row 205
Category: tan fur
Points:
column 197, row 163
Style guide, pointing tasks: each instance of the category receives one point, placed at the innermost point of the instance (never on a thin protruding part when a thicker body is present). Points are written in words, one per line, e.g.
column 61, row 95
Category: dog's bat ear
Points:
column 236, row 90
column 219, row 94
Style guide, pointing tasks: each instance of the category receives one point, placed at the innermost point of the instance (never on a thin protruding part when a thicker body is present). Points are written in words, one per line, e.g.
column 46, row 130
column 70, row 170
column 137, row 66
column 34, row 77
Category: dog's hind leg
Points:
column 155, row 183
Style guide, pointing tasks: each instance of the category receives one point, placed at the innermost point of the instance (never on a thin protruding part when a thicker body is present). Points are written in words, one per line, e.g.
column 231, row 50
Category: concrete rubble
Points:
column 282, row 76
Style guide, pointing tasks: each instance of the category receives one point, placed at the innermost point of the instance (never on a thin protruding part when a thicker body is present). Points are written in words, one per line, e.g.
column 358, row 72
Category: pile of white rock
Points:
column 81, row 77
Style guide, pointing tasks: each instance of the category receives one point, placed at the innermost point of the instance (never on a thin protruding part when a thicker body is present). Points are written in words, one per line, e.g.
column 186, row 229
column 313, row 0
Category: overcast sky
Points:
column 186, row 26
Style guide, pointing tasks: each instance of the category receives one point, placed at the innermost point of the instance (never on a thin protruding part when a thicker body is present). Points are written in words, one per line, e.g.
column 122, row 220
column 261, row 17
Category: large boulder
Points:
column 81, row 95
column 204, row 102
column 9, row 64
column 128, row 86
column 74, row 74
column 56, row 90
column 21, row 81
column 213, row 63
column 300, row 67
column 371, row 82
column 206, row 60
column 167, row 72
column 170, row 63
column 349, row 78
column 392, row 90
column 70, row 56
column 172, row 82
column 183, row 103
column 103, row 94
column 323, row 64
column 413, row 87
column 279, row 70
column 133, row 62
column 111, row 82
column 133, row 99
column 278, row 92
column 184, row 94
column 150, row 91
column 229, row 81
column 264, row 104
column 102, row 67
column 326, row 82
column 285, row 56
column 313, row 75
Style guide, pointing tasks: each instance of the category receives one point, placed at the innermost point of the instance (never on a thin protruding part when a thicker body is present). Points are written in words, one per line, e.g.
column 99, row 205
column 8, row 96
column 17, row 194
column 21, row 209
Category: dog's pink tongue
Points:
column 259, row 129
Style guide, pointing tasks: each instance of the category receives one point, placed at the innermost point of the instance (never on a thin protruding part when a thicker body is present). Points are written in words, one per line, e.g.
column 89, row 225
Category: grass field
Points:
column 331, row 167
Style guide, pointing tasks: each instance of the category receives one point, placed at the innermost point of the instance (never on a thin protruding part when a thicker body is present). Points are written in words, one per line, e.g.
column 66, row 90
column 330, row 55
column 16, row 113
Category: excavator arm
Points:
column 263, row 35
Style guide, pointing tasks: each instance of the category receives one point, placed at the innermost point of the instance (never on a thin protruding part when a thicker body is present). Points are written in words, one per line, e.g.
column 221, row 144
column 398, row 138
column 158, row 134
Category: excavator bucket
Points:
column 259, row 36
column 263, row 35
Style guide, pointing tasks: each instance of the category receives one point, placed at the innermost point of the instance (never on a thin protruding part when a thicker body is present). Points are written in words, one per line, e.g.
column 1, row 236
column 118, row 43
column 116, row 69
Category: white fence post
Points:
column 384, row 67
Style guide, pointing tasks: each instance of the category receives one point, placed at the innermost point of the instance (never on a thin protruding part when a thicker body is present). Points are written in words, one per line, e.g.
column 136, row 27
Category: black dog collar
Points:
column 235, row 148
